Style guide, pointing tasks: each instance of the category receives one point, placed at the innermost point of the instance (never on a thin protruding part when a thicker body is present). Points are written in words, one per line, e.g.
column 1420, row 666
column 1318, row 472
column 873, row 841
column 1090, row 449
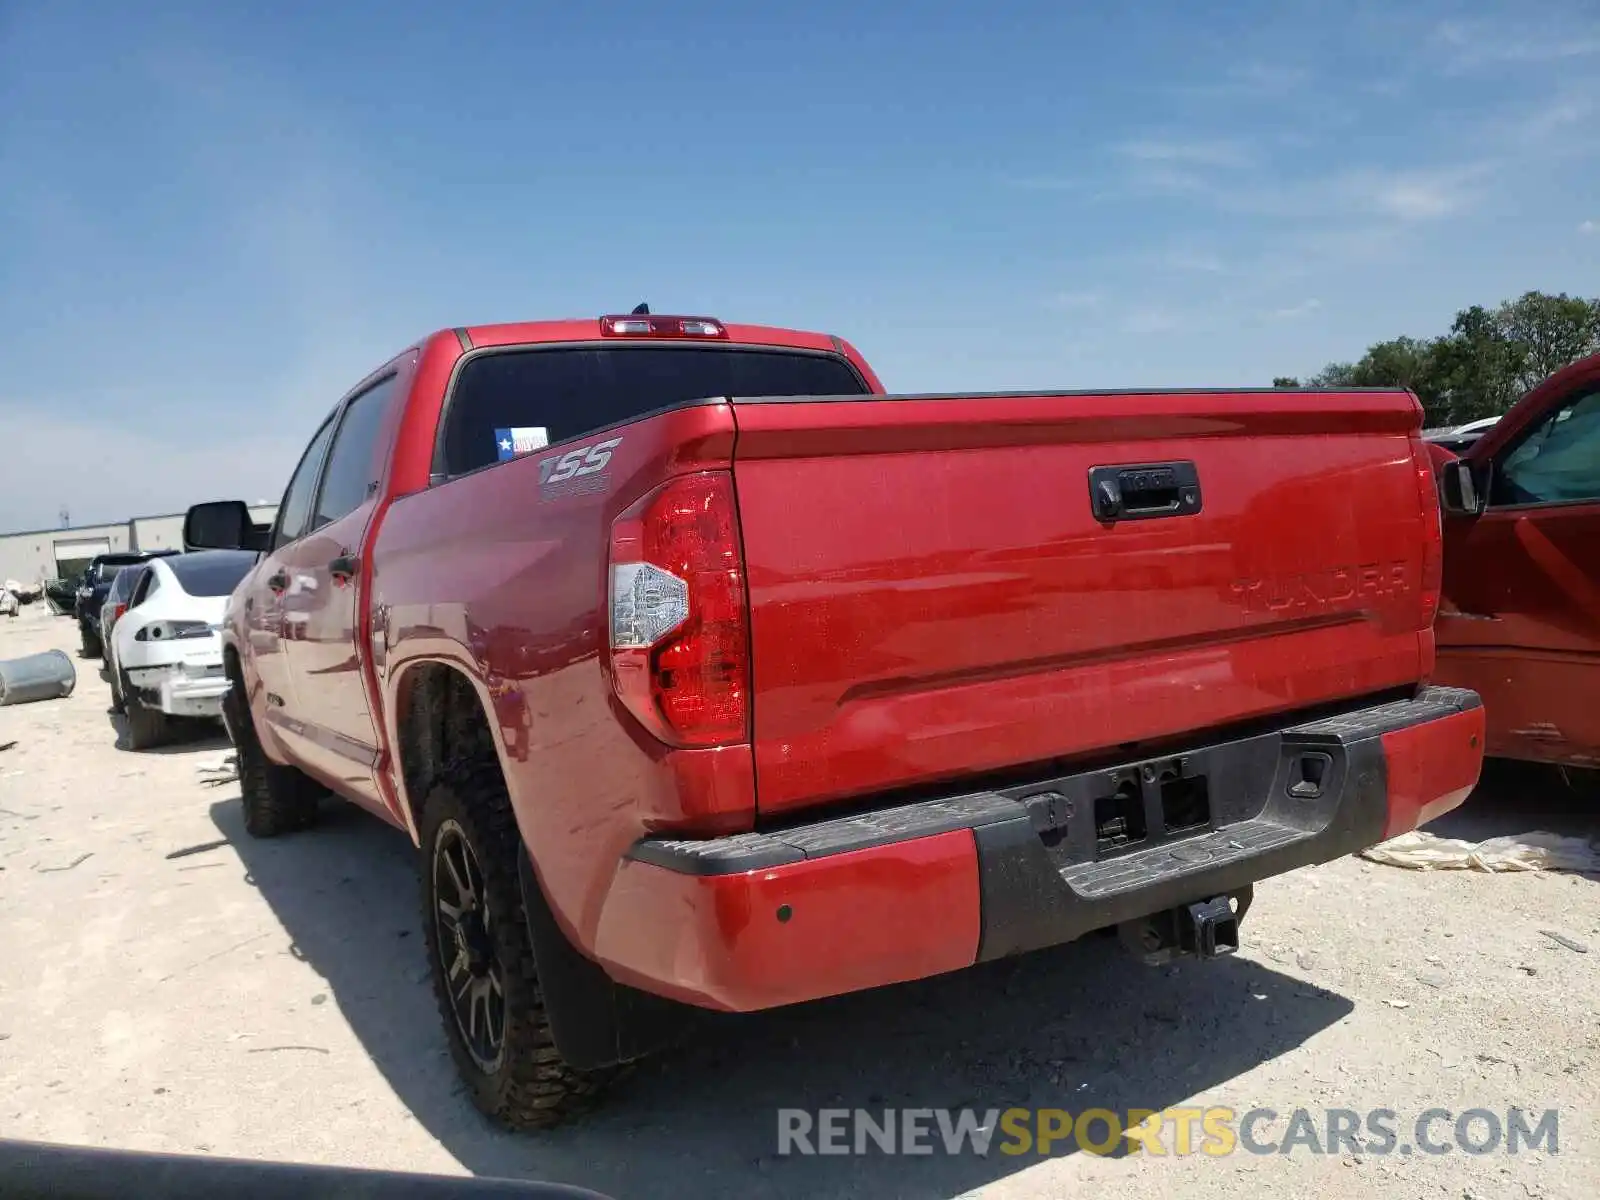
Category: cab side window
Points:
column 294, row 515
column 353, row 463
column 1557, row 461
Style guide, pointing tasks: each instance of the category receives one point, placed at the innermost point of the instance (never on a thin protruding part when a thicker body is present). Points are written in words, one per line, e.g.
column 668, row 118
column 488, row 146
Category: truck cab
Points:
column 1519, row 621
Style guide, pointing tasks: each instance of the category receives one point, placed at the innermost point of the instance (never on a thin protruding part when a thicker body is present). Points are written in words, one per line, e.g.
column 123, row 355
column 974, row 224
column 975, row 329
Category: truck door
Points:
column 328, row 656
column 1520, row 620
column 271, row 603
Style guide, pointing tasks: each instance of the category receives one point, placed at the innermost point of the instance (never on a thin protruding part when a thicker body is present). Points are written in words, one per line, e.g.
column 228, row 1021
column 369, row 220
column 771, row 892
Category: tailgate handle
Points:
column 1142, row 491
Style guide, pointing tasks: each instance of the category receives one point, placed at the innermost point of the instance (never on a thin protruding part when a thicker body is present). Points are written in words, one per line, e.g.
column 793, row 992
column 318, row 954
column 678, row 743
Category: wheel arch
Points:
column 440, row 710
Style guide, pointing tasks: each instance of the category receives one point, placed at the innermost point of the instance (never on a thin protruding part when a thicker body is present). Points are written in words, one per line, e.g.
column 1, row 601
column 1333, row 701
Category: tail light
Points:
column 164, row 631
column 1433, row 540
column 116, row 612
column 680, row 645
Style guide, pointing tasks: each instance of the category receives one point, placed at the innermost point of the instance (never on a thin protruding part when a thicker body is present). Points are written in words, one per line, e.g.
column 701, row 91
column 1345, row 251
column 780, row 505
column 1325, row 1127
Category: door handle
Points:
column 1140, row 492
column 344, row 568
column 278, row 582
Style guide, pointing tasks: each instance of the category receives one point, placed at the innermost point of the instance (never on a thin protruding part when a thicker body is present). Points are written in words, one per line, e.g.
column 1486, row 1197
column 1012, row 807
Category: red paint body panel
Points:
column 929, row 598
column 483, row 574
column 949, row 604
column 1432, row 769
column 1520, row 619
column 857, row 920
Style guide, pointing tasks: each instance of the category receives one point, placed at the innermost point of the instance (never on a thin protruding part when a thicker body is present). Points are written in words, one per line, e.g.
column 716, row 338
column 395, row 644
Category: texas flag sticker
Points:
column 511, row 442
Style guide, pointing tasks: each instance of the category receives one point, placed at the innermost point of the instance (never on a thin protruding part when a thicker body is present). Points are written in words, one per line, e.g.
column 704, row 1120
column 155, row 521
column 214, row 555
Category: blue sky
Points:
column 212, row 221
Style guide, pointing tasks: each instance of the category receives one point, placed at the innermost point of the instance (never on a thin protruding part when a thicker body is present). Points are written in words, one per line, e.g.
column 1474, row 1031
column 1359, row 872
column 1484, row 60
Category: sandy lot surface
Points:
column 168, row 984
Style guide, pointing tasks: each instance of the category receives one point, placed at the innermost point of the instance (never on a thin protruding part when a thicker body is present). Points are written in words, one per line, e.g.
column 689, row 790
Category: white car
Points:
column 166, row 654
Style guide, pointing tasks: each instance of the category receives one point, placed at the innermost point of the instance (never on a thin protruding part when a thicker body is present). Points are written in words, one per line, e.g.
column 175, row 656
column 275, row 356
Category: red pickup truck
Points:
column 705, row 675
column 1520, row 617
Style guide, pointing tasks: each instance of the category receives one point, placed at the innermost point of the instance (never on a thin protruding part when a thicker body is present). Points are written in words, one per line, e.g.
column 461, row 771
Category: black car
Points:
column 92, row 591
column 117, row 598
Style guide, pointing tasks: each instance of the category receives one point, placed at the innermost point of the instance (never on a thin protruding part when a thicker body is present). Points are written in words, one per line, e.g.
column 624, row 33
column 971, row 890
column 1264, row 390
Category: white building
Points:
column 39, row 554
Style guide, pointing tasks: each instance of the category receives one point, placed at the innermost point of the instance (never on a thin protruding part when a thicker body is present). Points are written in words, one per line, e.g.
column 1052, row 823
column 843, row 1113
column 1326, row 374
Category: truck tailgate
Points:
column 933, row 595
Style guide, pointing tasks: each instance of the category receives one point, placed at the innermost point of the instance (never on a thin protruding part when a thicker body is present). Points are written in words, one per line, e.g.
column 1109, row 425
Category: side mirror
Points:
column 222, row 525
column 1459, row 488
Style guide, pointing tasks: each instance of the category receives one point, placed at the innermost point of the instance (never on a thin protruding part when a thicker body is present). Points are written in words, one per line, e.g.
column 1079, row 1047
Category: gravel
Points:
column 168, row 984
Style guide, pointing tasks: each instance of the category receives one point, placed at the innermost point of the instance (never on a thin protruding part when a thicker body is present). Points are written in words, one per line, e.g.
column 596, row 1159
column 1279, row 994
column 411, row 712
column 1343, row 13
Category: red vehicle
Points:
column 1520, row 618
column 704, row 675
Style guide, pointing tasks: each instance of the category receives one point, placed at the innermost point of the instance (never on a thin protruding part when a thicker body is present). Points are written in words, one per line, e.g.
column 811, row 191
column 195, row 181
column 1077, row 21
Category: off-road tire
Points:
column 532, row 1087
column 147, row 727
column 276, row 799
column 88, row 643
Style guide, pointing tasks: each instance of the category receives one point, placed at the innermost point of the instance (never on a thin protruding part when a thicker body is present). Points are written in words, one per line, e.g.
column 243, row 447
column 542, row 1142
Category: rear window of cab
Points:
column 511, row 401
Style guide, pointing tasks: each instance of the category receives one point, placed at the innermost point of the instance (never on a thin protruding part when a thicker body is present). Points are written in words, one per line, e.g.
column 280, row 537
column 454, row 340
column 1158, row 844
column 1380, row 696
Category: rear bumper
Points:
column 758, row 920
column 179, row 692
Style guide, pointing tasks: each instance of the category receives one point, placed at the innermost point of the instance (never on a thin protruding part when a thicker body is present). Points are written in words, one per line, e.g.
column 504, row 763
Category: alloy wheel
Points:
column 464, row 925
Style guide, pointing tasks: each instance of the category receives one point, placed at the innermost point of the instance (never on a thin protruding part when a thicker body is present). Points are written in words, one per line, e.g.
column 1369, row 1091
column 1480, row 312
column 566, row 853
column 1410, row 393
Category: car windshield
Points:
column 210, row 572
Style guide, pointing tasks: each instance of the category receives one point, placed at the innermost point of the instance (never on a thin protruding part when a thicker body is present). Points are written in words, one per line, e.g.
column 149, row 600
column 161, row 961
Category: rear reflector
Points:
column 662, row 327
column 680, row 647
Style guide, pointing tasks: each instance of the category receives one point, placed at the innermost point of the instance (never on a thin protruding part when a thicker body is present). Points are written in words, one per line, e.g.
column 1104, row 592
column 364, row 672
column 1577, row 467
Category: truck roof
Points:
column 585, row 329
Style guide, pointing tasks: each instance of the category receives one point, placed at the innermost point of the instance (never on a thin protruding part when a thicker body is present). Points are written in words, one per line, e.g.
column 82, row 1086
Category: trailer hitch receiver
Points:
column 1204, row 929
column 1210, row 929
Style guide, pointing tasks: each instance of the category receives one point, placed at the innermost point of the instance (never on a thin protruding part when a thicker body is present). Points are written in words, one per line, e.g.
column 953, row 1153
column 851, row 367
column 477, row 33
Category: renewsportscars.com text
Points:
column 1214, row 1131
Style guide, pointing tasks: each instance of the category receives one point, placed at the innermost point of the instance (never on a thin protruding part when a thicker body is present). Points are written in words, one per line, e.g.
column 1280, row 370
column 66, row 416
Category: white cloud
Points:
column 1304, row 309
column 1191, row 152
column 1076, row 300
column 1403, row 195
column 1044, row 183
column 1385, row 88
column 1522, row 39
column 1556, row 117
column 1418, row 198
column 1270, row 78
column 1252, row 81
column 1149, row 320
column 1198, row 261
column 1588, row 227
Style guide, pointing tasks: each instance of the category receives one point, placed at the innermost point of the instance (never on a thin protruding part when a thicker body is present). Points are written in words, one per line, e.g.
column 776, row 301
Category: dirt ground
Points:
column 168, row 984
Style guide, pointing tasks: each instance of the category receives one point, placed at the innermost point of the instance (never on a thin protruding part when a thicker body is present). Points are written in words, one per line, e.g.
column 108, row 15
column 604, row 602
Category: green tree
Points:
column 1485, row 363
column 1403, row 362
column 1335, row 375
column 1551, row 331
column 1479, row 368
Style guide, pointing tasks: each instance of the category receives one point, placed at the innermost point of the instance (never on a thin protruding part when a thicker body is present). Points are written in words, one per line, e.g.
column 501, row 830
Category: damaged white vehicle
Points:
column 166, row 659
